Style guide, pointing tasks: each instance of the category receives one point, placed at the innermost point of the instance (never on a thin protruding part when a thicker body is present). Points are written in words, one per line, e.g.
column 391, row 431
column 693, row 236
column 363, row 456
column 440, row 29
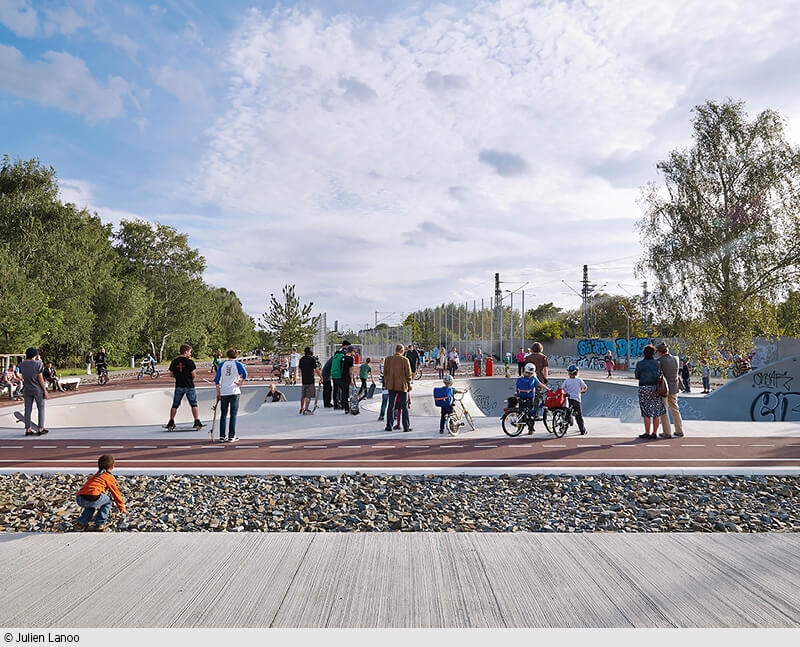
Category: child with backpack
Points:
column 443, row 397
column 93, row 497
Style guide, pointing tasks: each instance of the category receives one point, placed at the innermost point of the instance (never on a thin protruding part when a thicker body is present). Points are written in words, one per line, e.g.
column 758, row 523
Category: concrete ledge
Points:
column 399, row 580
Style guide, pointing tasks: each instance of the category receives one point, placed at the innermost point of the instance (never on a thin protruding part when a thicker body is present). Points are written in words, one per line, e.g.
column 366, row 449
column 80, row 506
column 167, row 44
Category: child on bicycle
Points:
column 443, row 398
column 573, row 386
column 526, row 389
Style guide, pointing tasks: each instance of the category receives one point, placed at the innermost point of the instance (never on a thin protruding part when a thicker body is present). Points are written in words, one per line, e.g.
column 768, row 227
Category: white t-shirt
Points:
column 229, row 375
column 573, row 386
column 294, row 360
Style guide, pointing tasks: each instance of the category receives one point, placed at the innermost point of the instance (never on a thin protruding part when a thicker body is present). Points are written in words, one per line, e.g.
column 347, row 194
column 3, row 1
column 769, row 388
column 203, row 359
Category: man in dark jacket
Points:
column 327, row 385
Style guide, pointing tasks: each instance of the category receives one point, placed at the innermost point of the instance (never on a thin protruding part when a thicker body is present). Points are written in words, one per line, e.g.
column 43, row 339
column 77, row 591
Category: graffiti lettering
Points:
column 776, row 407
column 484, row 401
column 618, row 347
column 773, row 380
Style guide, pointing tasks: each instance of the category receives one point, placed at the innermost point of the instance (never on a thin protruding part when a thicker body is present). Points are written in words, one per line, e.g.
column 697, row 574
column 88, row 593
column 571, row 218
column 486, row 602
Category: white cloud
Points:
column 62, row 81
column 501, row 138
column 20, row 17
column 64, row 20
column 81, row 194
column 187, row 88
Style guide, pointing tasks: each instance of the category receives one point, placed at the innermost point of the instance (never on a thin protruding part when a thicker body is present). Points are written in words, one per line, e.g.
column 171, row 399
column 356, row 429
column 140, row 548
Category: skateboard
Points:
column 370, row 391
column 316, row 398
column 354, row 400
column 21, row 418
column 189, row 428
column 213, row 421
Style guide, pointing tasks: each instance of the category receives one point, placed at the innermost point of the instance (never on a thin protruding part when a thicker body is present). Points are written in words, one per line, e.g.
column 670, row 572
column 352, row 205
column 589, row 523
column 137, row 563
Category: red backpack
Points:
column 555, row 399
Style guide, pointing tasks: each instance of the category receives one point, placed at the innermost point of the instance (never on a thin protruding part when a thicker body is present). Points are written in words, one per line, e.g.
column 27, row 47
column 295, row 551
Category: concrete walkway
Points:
column 399, row 580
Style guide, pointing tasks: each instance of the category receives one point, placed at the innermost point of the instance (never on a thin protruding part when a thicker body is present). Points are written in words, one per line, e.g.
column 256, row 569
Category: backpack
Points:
column 555, row 399
column 443, row 396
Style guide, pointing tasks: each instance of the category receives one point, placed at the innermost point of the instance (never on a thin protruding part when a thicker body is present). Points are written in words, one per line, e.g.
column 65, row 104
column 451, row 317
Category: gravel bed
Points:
column 361, row 502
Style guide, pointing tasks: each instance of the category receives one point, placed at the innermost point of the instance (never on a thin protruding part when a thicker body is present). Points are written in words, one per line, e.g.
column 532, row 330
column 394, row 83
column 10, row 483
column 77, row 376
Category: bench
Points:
column 69, row 383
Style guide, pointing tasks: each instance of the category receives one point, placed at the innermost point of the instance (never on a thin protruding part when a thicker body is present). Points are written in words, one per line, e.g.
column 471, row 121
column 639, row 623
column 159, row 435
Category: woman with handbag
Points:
column 651, row 403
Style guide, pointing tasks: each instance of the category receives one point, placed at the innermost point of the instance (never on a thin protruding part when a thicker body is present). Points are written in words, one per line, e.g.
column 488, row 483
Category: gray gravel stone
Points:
column 432, row 503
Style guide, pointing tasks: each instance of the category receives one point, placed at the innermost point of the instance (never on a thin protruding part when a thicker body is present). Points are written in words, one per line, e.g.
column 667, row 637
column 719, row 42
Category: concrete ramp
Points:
column 143, row 408
column 770, row 394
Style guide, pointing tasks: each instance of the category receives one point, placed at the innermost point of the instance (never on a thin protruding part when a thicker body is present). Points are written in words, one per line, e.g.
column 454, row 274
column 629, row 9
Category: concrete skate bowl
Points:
column 136, row 407
column 770, row 394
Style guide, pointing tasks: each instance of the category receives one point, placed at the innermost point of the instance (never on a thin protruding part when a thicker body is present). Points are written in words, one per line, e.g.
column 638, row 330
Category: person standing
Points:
column 685, row 376
column 346, row 380
column 308, row 373
column 184, row 371
column 294, row 363
column 327, row 386
column 364, row 373
column 574, row 387
column 706, row 374
column 650, row 404
column 230, row 374
column 609, row 362
column 89, row 363
column 336, row 375
column 33, row 390
column 668, row 367
column 520, row 358
column 397, row 380
column 453, row 361
column 412, row 355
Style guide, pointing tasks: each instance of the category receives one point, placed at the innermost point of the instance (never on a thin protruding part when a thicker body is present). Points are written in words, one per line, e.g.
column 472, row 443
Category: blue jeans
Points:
column 706, row 384
column 226, row 401
column 393, row 396
column 384, row 401
column 180, row 391
column 102, row 506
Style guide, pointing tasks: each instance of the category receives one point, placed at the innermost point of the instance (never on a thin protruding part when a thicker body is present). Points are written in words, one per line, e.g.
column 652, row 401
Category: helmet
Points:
column 572, row 368
column 448, row 379
column 529, row 368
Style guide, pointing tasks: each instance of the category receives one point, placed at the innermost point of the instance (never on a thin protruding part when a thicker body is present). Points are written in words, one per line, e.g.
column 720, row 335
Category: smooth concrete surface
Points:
column 399, row 580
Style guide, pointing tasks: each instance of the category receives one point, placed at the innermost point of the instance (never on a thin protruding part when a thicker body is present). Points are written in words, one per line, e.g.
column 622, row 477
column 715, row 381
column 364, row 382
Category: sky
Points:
column 384, row 156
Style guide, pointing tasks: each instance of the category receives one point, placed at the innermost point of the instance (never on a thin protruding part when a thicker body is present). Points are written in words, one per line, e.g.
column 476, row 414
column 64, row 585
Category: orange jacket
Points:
column 99, row 483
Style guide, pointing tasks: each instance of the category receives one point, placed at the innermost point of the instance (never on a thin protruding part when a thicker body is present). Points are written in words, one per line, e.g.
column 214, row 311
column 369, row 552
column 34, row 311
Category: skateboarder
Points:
column 33, row 390
column 183, row 369
column 308, row 371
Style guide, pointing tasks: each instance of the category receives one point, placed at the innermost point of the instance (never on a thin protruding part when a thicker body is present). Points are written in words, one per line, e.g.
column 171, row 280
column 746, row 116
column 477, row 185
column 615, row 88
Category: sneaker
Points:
column 78, row 527
column 678, row 435
column 100, row 527
column 198, row 424
column 222, row 439
column 30, row 432
column 409, row 429
column 665, row 436
column 644, row 436
column 171, row 425
column 388, row 429
column 233, row 439
column 380, row 417
column 441, row 431
column 308, row 413
column 42, row 432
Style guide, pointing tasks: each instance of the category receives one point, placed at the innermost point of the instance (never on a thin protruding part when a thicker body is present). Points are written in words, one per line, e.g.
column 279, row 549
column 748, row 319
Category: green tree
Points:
column 544, row 330
column 62, row 252
column 290, row 322
column 722, row 236
column 545, row 311
column 789, row 314
column 609, row 321
column 161, row 259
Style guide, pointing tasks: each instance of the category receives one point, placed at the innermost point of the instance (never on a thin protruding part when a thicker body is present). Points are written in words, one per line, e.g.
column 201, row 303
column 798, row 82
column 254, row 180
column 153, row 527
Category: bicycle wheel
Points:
column 154, row 375
column 547, row 419
column 560, row 422
column 512, row 423
column 468, row 418
column 452, row 425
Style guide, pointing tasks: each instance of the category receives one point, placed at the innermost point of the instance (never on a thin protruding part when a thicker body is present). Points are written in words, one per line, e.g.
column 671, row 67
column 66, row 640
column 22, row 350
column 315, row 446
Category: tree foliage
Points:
column 290, row 323
column 722, row 235
column 69, row 284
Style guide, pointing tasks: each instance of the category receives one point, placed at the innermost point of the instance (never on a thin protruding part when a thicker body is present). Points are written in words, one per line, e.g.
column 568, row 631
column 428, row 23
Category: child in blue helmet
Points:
column 573, row 386
column 526, row 389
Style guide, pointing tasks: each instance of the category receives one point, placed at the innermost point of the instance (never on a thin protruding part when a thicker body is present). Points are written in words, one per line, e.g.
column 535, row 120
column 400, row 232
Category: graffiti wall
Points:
column 777, row 396
column 618, row 347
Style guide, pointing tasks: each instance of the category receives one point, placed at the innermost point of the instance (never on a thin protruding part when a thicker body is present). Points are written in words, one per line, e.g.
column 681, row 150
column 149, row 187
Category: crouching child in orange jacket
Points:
column 93, row 496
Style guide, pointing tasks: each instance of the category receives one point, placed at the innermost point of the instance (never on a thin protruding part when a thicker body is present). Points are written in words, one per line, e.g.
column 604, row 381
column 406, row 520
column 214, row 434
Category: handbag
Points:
column 662, row 388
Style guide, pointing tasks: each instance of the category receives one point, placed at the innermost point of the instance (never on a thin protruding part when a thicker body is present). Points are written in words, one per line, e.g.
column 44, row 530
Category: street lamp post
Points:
column 628, row 318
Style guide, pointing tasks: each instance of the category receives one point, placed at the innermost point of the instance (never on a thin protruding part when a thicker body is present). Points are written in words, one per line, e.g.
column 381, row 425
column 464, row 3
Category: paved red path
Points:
column 501, row 452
